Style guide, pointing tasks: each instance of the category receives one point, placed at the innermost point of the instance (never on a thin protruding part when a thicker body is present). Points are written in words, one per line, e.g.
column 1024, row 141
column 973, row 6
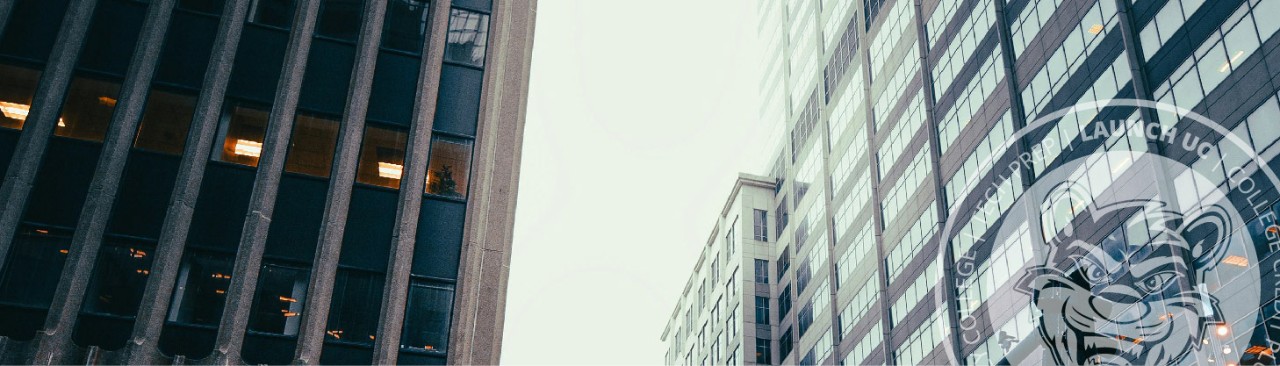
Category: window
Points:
column 761, row 226
column 275, row 13
column 203, row 6
column 381, row 157
column 32, row 269
column 762, row 271
column 426, row 323
column 201, row 289
column 17, row 88
column 165, row 122
column 312, row 145
column 242, row 131
column 405, row 25
column 449, row 166
column 281, row 291
column 762, row 351
column 340, row 19
column 762, row 310
column 467, row 39
column 354, row 311
column 784, row 262
column 715, row 270
column 784, row 344
column 805, row 318
column 86, row 112
column 784, row 302
column 119, row 279
column 781, row 218
column 730, row 240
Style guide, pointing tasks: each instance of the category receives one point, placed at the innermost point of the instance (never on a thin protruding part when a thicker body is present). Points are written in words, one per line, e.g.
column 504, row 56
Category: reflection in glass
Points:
column 426, row 321
column 32, row 270
column 278, row 306
column 275, row 13
column 449, row 166
column 406, row 25
column 381, row 157
column 87, row 109
column 119, row 279
column 201, row 289
column 312, row 145
column 241, row 132
column 353, row 313
column 468, row 36
column 340, row 19
column 17, row 88
column 165, row 122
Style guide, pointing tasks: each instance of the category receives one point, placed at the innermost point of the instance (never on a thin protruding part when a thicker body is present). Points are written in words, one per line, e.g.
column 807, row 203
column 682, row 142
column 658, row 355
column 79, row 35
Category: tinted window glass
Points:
column 311, row 147
column 203, row 6
column 468, row 34
column 340, row 19
column 381, row 157
column 31, row 271
column 165, row 122
column 87, row 109
column 201, row 289
column 275, row 13
column 17, row 88
column 426, row 321
column 241, row 133
column 119, row 279
column 356, row 305
column 449, row 166
column 405, row 26
column 281, row 294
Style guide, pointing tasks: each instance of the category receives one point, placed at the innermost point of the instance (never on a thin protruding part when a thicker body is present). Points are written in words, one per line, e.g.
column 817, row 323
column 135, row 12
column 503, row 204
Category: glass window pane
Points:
column 406, row 25
column 356, row 305
column 340, row 19
column 120, row 277
column 381, row 157
column 449, row 166
column 165, row 122
column 312, row 145
column 275, row 13
column 278, row 306
column 468, row 34
column 201, row 289
column 203, row 6
column 426, row 323
column 242, row 132
column 31, row 272
column 87, row 109
column 17, row 88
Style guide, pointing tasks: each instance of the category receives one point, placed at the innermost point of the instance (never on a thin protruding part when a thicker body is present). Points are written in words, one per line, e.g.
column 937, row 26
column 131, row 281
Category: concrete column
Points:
column 43, row 117
column 395, row 292
column 343, row 175
column 480, row 301
column 142, row 347
column 262, row 200
column 55, row 339
column 6, row 8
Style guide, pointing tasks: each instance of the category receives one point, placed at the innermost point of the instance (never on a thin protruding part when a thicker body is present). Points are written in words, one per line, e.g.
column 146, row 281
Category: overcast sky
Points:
column 641, row 113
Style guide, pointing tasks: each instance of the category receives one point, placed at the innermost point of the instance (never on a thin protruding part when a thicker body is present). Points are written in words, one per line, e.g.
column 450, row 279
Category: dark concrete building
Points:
column 901, row 235
column 258, row 181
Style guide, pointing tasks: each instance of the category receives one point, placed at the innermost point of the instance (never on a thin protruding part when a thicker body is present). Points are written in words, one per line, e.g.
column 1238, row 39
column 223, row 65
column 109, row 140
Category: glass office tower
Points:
column 899, row 235
column 258, row 181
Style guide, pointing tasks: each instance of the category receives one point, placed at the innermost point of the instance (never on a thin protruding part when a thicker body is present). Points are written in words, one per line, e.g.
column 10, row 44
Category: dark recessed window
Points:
column 17, row 88
column 119, row 279
column 165, row 122
column 278, row 306
column 311, row 147
column 406, row 25
column 449, row 166
column 468, row 34
column 381, row 157
column 241, row 133
column 32, row 270
column 426, row 321
column 86, row 113
column 204, row 6
column 340, row 19
column 356, row 305
column 275, row 13
column 201, row 289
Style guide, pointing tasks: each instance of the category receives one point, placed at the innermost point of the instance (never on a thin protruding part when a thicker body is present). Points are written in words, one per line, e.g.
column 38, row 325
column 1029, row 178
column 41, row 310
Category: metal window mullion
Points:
column 55, row 339
column 342, row 178
column 412, row 187
column 266, row 185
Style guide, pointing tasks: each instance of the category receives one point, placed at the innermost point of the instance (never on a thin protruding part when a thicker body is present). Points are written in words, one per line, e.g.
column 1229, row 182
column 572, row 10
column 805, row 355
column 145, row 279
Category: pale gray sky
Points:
column 641, row 113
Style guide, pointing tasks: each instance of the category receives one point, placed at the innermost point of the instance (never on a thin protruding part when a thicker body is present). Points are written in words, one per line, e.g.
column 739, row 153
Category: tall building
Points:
column 922, row 138
column 258, row 181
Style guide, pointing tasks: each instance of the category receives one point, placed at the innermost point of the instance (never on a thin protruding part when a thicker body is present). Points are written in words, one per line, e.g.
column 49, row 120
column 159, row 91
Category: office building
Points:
column 258, row 181
column 901, row 119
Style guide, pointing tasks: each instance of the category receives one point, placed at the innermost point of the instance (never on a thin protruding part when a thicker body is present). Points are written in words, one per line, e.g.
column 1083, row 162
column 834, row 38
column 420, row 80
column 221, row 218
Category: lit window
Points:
column 381, row 157
column 243, row 129
column 426, row 323
column 405, row 25
column 17, row 88
column 468, row 37
column 165, row 122
column 87, row 109
column 449, row 166
column 277, row 308
column 201, row 289
column 311, row 147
